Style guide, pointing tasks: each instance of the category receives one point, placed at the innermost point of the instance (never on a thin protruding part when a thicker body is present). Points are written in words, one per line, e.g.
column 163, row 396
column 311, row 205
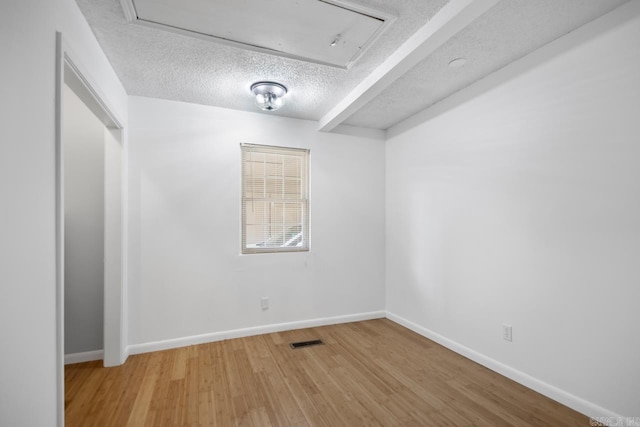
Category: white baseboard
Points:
column 572, row 401
column 246, row 332
column 85, row 356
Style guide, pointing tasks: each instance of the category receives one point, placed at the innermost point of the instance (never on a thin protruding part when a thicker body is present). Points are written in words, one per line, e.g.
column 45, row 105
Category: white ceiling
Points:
column 162, row 64
column 316, row 31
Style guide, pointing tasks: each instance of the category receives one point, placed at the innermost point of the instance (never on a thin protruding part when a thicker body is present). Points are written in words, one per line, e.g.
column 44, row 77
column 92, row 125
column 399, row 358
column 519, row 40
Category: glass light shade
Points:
column 269, row 95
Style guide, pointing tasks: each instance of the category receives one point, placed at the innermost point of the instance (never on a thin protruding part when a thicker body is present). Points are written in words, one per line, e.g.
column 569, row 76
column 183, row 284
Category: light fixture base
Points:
column 269, row 95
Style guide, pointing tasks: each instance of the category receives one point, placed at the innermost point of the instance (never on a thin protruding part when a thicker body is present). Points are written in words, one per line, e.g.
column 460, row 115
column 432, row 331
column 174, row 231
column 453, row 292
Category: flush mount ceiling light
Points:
column 269, row 95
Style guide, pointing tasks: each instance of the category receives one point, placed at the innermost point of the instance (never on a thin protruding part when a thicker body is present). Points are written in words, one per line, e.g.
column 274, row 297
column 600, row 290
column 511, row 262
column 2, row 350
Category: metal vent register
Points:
column 303, row 344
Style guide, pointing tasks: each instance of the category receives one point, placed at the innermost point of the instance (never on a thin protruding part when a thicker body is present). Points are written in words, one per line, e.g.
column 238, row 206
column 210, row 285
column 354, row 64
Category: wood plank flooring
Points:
column 372, row 373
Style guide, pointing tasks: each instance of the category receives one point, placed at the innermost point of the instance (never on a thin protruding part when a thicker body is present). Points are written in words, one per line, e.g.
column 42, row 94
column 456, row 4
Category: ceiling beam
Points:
column 451, row 19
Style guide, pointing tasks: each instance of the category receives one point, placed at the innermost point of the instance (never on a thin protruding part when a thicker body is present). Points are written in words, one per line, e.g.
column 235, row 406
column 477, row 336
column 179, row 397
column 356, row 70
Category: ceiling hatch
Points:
column 330, row 32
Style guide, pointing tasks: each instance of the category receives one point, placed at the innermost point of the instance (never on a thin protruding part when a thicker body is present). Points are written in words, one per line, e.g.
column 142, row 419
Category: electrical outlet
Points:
column 506, row 332
column 264, row 303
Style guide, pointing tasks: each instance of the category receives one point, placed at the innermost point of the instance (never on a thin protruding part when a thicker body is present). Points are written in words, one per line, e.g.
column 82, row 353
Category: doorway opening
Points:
column 83, row 170
column 90, row 223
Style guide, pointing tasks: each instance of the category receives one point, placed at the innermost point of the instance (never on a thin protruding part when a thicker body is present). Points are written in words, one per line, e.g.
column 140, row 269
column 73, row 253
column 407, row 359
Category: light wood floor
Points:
column 373, row 373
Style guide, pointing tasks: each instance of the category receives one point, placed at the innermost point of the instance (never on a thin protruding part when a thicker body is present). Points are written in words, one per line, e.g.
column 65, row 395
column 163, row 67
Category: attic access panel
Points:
column 330, row 32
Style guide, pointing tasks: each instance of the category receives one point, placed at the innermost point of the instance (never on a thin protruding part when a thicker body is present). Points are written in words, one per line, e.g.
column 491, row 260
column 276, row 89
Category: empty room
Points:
column 320, row 213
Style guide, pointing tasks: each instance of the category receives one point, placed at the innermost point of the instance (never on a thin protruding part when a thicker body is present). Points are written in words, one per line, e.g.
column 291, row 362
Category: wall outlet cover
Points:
column 506, row 332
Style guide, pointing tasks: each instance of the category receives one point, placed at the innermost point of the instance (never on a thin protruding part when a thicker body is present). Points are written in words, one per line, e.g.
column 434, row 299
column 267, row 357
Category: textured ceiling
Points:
column 310, row 30
column 508, row 31
column 155, row 63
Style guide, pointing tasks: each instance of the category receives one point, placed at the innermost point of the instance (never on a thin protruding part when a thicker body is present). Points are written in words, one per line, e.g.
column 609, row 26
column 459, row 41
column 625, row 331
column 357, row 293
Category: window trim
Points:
column 304, row 153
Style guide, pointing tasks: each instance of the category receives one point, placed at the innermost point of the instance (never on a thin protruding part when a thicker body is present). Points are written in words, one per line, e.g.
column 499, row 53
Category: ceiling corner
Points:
column 451, row 19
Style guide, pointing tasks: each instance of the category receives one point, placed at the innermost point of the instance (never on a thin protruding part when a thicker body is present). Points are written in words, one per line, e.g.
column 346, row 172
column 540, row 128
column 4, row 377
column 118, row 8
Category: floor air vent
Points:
column 303, row 344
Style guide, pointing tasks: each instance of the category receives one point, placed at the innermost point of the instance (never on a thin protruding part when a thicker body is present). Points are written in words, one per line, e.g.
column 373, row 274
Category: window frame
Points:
column 304, row 154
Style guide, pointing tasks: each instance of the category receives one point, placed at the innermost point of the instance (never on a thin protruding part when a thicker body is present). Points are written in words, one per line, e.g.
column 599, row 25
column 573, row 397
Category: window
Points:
column 275, row 199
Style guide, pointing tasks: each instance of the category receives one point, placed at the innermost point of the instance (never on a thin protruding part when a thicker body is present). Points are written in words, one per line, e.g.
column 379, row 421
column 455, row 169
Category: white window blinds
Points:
column 275, row 199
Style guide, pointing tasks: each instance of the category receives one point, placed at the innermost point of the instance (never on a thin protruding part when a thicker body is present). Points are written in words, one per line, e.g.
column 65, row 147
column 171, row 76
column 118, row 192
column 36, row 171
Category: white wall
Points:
column 114, row 254
column 27, row 164
column 518, row 201
column 83, row 141
column 187, row 276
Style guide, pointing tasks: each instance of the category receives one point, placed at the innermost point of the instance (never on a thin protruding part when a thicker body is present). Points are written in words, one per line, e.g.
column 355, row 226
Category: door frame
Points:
column 69, row 71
